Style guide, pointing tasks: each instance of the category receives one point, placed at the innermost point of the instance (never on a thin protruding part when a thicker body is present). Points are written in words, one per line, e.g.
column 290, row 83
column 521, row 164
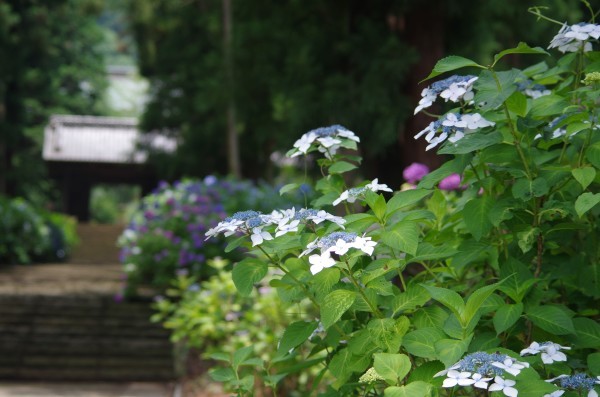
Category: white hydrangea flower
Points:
column 556, row 393
column 511, row 366
column 258, row 236
column 480, row 381
column 326, row 139
column 284, row 228
column 351, row 195
column 320, row 262
column 505, row 386
column 572, row 38
column 454, row 88
column 458, row 378
column 452, row 126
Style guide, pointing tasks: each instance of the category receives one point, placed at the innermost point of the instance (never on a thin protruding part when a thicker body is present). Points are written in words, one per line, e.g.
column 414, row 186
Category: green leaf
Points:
column 551, row 319
column 527, row 238
column 451, row 63
column 507, row 316
column 392, row 367
column 455, row 166
column 584, row 176
column 403, row 236
column 429, row 316
column 425, row 371
column 414, row 296
column 379, row 207
column 535, row 388
column 475, row 215
column 525, row 189
column 521, row 48
column 340, row 167
column 593, row 154
column 295, row 334
column 492, row 93
column 222, row 374
column 235, row 243
column 517, row 103
column 472, row 142
column 387, row 333
column 421, row 342
column 548, row 105
column 406, row 198
column 449, row 351
column 248, row 272
column 448, row 298
column 288, row 188
column 593, row 362
column 413, row 389
column 241, row 355
column 586, row 202
column 476, row 300
column 587, row 333
column 336, row 304
column 323, row 282
column 341, row 364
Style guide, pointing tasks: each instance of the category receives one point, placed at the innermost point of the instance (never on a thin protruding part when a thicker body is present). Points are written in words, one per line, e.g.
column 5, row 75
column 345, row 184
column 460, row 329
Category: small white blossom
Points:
column 320, row 262
column 326, row 139
column 454, row 88
column 505, row 386
column 452, row 126
column 258, row 236
column 511, row 366
column 556, row 393
column 284, row 228
column 480, row 381
column 351, row 195
column 458, row 378
column 573, row 38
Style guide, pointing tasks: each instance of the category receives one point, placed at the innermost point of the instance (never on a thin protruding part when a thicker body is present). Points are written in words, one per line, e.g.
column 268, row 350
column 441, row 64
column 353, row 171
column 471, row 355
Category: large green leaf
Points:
column 507, row 316
column 584, row 175
column 248, row 272
column 413, row 389
column 535, row 388
column 403, row 237
column 341, row 364
column 392, row 367
column 551, row 319
column 593, row 154
column 323, row 282
column 476, row 300
column 472, row 142
column 492, row 90
column 454, row 166
column 548, row 105
column 521, row 48
column 295, row 334
column 593, row 362
column 406, row 198
column 525, row 189
column 421, row 342
column 335, row 305
column 451, row 63
column 586, row 202
column 475, row 215
column 387, row 333
column 449, row 351
column 340, row 167
column 587, row 333
column 414, row 296
column 448, row 298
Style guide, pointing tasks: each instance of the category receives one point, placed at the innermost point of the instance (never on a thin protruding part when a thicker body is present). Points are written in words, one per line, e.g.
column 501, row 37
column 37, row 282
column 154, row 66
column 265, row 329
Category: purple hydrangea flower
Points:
column 415, row 172
column 451, row 182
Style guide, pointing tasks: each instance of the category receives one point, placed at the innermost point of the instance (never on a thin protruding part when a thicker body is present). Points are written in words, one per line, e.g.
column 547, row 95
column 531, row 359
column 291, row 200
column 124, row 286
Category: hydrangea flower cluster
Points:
column 533, row 90
column 550, row 351
column 580, row 383
column 454, row 88
column 351, row 195
column 337, row 243
column 371, row 376
column 326, row 139
column 572, row 38
column 453, row 127
column 479, row 369
column 415, row 172
column 253, row 223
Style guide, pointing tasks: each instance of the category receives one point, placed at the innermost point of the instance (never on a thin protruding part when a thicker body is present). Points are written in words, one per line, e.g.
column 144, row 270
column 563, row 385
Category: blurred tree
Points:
column 50, row 64
column 297, row 65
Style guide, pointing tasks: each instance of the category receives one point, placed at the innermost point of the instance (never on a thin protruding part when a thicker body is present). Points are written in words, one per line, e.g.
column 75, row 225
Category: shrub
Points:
column 472, row 286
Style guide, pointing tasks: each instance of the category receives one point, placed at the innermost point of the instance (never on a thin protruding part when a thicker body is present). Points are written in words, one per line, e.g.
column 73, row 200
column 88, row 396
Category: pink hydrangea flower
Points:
column 451, row 182
column 415, row 172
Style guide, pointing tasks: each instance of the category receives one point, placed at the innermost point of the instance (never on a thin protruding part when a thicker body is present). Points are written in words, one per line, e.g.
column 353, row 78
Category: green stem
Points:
column 373, row 307
column 477, row 175
column 536, row 11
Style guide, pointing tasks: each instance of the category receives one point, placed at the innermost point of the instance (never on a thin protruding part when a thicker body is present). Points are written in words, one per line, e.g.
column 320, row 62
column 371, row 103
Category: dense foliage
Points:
column 166, row 233
column 29, row 234
column 492, row 288
column 51, row 64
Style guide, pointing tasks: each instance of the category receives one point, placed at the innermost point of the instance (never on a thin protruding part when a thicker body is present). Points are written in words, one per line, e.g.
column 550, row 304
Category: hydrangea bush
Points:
column 166, row 234
column 475, row 279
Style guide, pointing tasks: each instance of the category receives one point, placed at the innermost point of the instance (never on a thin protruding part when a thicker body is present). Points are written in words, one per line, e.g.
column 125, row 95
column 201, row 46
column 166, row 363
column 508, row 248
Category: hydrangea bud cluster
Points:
column 351, row 195
column 453, row 127
column 371, row 376
column 573, row 38
column 327, row 140
column 454, row 88
column 480, row 368
column 253, row 223
column 338, row 243
column 581, row 383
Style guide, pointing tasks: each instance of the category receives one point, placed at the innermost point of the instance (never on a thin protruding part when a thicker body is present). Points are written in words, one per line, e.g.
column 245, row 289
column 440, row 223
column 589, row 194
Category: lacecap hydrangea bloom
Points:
column 351, row 195
column 479, row 369
column 327, row 140
column 454, row 88
column 574, row 37
column 415, row 172
column 453, row 127
column 580, row 383
column 338, row 243
column 253, row 223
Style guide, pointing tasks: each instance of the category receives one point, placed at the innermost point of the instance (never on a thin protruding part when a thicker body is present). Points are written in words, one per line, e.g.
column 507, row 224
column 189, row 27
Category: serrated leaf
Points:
column 471, row 143
column 295, row 334
column 324, row 281
column 341, row 364
column 387, row 333
column 448, row 298
column 551, row 319
column 392, row 367
column 449, row 351
column 248, row 272
column 241, row 355
column 413, row 389
column 288, row 188
column 406, row 198
column 235, row 243
column 593, row 154
column 586, row 202
column 429, row 316
column 222, row 374
column 476, row 300
column 403, row 236
column 517, row 103
column 451, row 63
column 492, row 90
column 548, row 105
column 507, row 316
column 584, row 176
column 414, row 296
column 593, row 362
column 335, row 305
column 521, row 48
column 526, row 189
column 340, row 167
column 421, row 342
column 475, row 215
column 587, row 333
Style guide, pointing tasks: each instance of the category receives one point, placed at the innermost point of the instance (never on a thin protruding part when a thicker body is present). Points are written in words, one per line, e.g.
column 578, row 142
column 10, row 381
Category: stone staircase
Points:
column 61, row 322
